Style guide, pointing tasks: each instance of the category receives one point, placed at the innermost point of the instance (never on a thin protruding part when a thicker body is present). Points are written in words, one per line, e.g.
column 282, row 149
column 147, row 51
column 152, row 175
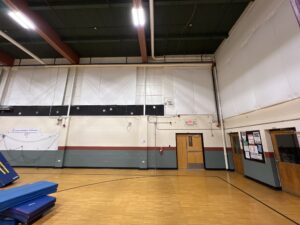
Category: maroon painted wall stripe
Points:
column 269, row 154
column 219, row 149
column 127, row 148
column 112, row 148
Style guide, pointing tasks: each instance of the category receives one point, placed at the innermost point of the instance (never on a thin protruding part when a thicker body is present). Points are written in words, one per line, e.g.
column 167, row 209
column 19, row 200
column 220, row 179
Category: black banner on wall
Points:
column 83, row 110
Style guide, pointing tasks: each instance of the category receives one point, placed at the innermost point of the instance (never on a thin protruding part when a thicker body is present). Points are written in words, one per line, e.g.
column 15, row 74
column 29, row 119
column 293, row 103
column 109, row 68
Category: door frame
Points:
column 242, row 154
column 276, row 154
column 284, row 182
column 203, row 153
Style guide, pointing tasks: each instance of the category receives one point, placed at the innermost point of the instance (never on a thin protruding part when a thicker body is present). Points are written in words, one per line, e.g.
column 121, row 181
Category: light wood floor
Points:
column 150, row 197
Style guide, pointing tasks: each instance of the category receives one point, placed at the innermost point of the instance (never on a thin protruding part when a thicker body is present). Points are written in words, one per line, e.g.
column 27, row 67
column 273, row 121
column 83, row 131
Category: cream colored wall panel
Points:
column 164, row 133
column 29, row 133
column 105, row 131
column 288, row 111
column 113, row 131
column 285, row 115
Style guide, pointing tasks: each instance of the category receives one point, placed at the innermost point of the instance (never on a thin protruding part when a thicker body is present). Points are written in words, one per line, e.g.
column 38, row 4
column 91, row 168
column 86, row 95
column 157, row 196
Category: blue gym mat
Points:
column 18, row 195
column 30, row 211
column 7, row 173
column 8, row 221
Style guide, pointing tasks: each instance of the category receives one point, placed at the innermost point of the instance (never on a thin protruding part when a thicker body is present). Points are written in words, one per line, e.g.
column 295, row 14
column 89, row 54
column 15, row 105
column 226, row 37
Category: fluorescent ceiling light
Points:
column 22, row 20
column 138, row 16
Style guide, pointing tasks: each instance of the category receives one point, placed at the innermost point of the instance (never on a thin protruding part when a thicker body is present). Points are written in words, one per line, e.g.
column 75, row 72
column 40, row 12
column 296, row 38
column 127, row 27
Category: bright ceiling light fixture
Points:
column 22, row 20
column 138, row 16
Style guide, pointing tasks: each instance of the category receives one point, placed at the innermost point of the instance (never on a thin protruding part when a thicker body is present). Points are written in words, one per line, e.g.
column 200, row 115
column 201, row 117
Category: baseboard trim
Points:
column 263, row 183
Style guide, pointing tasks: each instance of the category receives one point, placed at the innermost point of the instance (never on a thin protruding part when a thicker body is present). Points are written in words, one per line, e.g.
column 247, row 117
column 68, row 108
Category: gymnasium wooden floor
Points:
column 164, row 197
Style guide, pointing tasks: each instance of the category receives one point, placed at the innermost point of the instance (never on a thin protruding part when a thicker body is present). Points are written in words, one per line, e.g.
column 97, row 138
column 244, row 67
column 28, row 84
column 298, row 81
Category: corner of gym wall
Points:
column 258, row 74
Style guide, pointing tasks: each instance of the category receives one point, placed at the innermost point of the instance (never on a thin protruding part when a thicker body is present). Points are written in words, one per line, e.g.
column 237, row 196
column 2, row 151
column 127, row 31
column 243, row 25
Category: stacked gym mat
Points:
column 8, row 221
column 7, row 173
column 25, row 204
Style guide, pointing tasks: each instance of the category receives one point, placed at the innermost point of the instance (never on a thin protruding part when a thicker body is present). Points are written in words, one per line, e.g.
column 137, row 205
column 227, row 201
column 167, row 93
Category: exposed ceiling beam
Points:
column 44, row 30
column 195, row 37
column 141, row 35
column 6, row 59
column 118, row 4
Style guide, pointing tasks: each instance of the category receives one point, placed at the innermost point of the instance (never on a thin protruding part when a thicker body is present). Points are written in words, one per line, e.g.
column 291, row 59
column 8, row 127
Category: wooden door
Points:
column 181, row 151
column 287, row 154
column 237, row 153
column 189, row 151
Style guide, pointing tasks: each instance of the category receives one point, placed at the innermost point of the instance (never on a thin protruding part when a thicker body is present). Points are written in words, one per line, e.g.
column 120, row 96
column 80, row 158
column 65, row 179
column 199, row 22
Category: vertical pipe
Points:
column 145, row 89
column 215, row 74
column 215, row 93
column 151, row 6
column 72, row 92
column 67, row 119
column 3, row 83
column 66, row 85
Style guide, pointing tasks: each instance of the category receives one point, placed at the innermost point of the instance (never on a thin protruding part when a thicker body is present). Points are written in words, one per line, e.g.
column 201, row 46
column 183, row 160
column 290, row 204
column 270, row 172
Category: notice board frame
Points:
column 256, row 143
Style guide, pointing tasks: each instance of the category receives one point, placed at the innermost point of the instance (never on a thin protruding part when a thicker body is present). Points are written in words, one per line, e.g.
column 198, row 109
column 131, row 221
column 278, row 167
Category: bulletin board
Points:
column 252, row 146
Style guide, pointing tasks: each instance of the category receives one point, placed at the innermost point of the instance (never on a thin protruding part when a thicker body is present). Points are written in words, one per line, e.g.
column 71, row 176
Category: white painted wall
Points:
column 107, row 131
column 285, row 115
column 258, row 65
column 164, row 133
column 137, row 131
column 39, row 133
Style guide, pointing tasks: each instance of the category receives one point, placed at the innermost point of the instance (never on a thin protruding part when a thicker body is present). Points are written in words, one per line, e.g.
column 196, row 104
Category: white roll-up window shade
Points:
column 36, row 86
column 106, row 86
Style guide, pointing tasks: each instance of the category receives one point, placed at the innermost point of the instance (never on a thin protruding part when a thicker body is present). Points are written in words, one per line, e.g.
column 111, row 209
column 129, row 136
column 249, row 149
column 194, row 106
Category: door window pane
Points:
column 288, row 148
column 236, row 144
column 190, row 141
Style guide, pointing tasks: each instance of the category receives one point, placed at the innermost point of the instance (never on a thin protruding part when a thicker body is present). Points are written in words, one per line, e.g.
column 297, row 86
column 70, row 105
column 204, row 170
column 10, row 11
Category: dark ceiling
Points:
column 103, row 28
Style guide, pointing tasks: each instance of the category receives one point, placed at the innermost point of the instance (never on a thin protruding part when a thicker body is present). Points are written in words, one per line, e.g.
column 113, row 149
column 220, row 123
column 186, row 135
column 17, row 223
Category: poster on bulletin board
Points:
column 252, row 146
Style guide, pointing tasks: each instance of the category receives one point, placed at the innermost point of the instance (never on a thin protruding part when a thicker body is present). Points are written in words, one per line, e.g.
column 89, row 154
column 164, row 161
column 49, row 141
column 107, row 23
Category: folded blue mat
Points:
column 7, row 173
column 30, row 211
column 18, row 195
column 8, row 221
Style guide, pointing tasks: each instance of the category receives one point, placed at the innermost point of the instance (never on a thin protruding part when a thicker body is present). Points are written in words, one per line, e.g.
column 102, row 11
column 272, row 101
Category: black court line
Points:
column 135, row 176
column 101, row 182
column 93, row 174
column 121, row 179
column 261, row 202
column 152, row 176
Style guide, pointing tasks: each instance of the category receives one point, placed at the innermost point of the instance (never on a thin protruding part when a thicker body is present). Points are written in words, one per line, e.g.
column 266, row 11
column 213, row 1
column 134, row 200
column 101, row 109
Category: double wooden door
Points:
column 189, row 151
column 237, row 153
column 287, row 155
